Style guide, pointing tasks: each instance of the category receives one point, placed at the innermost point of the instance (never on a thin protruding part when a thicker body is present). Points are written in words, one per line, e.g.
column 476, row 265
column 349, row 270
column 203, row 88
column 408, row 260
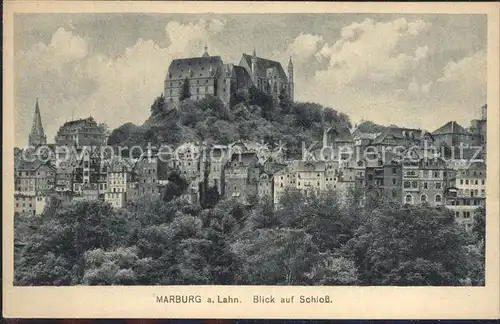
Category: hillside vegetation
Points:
column 250, row 116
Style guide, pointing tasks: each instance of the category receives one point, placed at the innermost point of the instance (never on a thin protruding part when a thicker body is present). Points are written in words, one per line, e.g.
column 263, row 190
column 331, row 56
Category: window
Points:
column 461, row 181
column 394, row 181
column 414, row 184
column 423, row 198
column 438, row 185
column 476, row 182
column 467, row 181
column 409, row 199
column 438, row 198
column 394, row 170
column 482, row 182
column 407, row 184
column 426, row 185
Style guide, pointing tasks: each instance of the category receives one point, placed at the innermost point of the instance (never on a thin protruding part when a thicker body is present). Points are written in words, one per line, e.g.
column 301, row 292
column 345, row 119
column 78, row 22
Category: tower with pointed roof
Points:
column 254, row 66
column 205, row 54
column 290, row 77
column 37, row 136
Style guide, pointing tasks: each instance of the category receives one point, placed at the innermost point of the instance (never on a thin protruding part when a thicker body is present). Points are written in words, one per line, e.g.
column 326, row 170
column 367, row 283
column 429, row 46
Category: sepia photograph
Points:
column 325, row 149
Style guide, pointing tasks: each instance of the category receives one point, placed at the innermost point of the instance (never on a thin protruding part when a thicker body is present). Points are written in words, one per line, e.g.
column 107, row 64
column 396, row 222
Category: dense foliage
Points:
column 169, row 241
column 252, row 115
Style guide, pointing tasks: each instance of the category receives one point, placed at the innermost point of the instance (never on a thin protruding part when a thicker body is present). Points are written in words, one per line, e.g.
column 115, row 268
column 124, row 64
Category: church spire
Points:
column 37, row 136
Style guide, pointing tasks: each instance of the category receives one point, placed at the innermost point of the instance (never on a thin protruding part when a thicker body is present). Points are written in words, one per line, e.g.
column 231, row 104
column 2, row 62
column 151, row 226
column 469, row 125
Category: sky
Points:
column 410, row 70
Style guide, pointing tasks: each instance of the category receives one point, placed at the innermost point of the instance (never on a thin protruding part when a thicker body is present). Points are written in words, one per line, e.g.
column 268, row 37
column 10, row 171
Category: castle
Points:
column 209, row 75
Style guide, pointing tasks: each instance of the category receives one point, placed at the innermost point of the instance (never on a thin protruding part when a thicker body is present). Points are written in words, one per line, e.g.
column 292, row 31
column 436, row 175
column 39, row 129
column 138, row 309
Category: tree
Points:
column 184, row 91
column 55, row 253
column 371, row 127
column 211, row 197
column 275, row 256
column 115, row 267
column 322, row 215
column 479, row 227
column 330, row 270
column 104, row 128
column 263, row 100
column 176, row 186
column 158, row 105
column 408, row 245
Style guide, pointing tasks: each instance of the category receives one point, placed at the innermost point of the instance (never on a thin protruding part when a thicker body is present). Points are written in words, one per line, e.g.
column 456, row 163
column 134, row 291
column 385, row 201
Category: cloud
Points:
column 469, row 72
column 369, row 51
column 305, row 46
column 375, row 71
column 73, row 83
column 419, row 89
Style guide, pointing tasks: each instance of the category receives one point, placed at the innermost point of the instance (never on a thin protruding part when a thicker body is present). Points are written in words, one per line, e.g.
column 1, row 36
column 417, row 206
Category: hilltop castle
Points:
column 209, row 75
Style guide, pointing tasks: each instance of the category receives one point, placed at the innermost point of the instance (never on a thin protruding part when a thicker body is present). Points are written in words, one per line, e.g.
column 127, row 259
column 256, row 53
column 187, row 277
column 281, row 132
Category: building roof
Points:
column 79, row 122
column 264, row 64
column 21, row 164
column 368, row 136
column 118, row 163
column 193, row 67
column 398, row 133
column 451, row 127
column 307, row 166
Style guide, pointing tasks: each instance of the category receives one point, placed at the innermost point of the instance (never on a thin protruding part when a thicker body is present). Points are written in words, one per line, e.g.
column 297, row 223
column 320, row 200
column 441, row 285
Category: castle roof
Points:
column 264, row 64
column 204, row 66
column 451, row 127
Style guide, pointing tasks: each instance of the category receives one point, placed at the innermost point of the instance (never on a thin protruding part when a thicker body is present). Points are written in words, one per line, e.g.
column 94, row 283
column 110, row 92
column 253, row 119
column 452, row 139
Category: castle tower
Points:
column 290, row 78
column 254, row 68
column 37, row 136
column 205, row 54
column 484, row 112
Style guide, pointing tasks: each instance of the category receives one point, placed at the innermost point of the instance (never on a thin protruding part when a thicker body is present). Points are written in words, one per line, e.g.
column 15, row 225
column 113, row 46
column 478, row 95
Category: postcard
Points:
column 250, row 160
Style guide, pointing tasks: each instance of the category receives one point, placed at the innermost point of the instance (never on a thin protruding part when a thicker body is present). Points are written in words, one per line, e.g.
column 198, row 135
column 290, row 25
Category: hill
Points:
column 250, row 116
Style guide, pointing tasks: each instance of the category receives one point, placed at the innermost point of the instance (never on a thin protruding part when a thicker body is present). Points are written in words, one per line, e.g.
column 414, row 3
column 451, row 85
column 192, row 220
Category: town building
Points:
column 34, row 181
column 121, row 182
column 81, row 132
column 452, row 135
column 394, row 136
column 479, row 131
column 433, row 179
column 384, row 177
column 241, row 177
column 467, row 192
column 150, row 170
